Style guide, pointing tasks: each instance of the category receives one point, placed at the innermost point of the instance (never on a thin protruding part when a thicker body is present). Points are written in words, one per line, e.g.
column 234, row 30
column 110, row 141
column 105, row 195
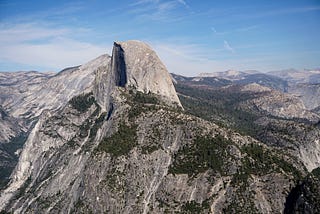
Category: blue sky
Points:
column 190, row 36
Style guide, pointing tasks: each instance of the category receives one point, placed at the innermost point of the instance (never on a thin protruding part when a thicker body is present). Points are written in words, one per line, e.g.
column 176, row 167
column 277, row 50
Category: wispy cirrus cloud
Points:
column 186, row 59
column 59, row 13
column 183, row 2
column 226, row 44
column 44, row 46
column 228, row 47
column 243, row 29
column 140, row 2
column 158, row 10
column 27, row 32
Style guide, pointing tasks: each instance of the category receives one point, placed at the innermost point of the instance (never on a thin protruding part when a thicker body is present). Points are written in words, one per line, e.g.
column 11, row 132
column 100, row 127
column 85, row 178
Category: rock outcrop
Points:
column 54, row 92
column 144, row 70
column 281, row 105
column 308, row 93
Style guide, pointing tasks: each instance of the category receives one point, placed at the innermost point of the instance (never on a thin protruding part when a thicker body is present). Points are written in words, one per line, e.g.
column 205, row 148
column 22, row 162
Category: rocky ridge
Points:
column 100, row 77
column 281, row 104
column 308, row 93
column 121, row 143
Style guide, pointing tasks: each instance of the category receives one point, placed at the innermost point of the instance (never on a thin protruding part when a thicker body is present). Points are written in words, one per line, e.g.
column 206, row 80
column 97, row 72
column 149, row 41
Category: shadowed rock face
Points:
column 119, row 65
column 135, row 65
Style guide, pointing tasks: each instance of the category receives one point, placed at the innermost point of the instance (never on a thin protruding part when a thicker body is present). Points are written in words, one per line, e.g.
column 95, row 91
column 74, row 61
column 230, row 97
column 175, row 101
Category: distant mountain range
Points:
column 304, row 84
column 290, row 75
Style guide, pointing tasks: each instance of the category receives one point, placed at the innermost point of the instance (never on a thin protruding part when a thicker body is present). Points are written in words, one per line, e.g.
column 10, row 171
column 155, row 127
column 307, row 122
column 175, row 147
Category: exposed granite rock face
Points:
column 15, row 86
column 120, row 143
column 280, row 104
column 146, row 158
column 255, row 88
column 299, row 76
column 26, row 95
column 308, row 93
column 103, row 84
column 99, row 78
column 274, row 118
column 10, row 127
column 145, row 71
column 53, row 92
column 12, row 137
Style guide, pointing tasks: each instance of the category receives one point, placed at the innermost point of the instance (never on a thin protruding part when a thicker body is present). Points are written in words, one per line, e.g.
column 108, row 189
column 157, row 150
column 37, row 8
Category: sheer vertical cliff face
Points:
column 134, row 65
column 119, row 67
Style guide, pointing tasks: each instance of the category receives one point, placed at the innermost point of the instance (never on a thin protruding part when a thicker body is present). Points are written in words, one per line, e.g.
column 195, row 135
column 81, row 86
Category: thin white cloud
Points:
column 187, row 59
column 228, row 47
column 56, row 54
column 246, row 29
column 190, row 60
column 28, row 32
column 139, row 2
column 191, row 52
column 54, row 13
column 184, row 3
column 236, row 30
column 214, row 30
column 45, row 47
column 157, row 10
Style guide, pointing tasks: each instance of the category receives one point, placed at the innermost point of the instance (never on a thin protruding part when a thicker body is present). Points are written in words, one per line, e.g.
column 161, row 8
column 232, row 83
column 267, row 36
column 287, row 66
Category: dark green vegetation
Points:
column 220, row 106
column 305, row 197
column 146, row 102
column 121, row 142
column 142, row 98
column 9, row 161
column 203, row 154
column 82, row 102
column 316, row 172
column 265, row 161
column 230, row 107
column 96, row 125
column 141, row 102
column 194, row 207
column 261, row 161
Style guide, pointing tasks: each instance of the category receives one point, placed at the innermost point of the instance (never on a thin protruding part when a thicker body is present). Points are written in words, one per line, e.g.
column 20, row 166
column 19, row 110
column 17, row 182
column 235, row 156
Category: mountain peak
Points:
column 137, row 66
